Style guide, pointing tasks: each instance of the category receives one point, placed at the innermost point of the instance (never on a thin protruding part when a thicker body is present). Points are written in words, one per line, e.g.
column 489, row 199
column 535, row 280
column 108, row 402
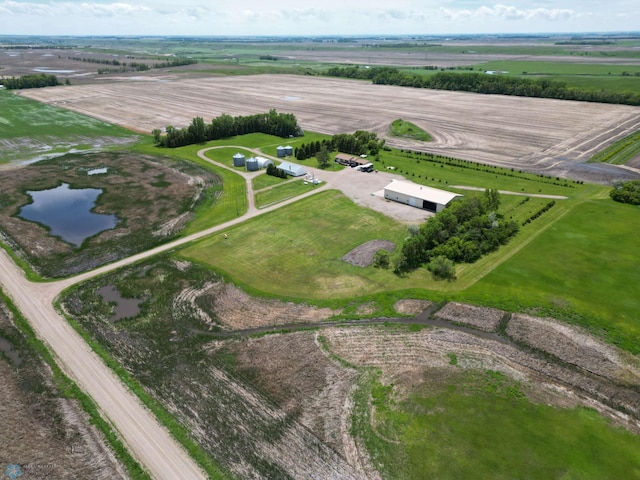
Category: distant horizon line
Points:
column 632, row 33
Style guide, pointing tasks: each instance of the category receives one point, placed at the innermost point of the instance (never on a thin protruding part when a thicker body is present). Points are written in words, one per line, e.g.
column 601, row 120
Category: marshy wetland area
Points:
column 258, row 322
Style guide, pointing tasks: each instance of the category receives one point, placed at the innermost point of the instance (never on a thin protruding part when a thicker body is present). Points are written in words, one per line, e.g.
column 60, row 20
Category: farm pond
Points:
column 68, row 213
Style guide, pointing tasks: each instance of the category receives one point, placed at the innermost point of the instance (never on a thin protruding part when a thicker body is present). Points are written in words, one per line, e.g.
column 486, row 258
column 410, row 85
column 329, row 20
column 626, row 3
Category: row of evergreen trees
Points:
column 273, row 123
column 359, row 143
column 30, row 81
column 463, row 232
column 484, row 83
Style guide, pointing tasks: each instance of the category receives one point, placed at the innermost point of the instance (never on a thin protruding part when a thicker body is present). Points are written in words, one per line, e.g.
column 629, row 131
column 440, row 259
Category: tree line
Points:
column 273, row 123
column 133, row 66
column 360, row 142
column 462, row 233
column 30, row 81
column 484, row 83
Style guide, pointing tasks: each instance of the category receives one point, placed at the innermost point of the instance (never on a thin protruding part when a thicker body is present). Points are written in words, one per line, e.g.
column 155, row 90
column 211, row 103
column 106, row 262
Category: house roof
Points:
column 421, row 191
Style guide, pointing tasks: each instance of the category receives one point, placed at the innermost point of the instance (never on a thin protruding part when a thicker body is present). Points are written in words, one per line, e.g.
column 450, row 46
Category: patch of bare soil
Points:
column 47, row 435
column 152, row 198
column 362, row 256
column 483, row 318
column 235, row 310
column 576, row 347
column 410, row 306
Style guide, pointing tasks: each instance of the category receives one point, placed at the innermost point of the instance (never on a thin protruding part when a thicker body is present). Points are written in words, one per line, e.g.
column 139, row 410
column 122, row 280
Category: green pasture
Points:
column 282, row 192
column 480, row 424
column 620, row 152
column 35, row 129
column 297, row 250
column 402, row 128
column 517, row 67
column 583, row 269
column 265, row 181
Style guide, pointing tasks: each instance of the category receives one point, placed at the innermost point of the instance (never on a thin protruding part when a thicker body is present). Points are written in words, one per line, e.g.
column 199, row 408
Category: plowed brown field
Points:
column 542, row 135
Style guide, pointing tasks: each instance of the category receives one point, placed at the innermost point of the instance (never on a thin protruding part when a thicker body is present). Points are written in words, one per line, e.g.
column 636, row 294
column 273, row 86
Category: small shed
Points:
column 293, row 169
column 419, row 196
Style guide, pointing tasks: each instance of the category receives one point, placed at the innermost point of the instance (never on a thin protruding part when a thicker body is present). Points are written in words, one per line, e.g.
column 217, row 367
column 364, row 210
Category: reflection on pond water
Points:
column 67, row 213
column 125, row 307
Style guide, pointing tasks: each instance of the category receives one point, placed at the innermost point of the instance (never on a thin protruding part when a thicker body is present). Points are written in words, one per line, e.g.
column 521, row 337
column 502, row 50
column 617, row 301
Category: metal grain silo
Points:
column 238, row 160
column 288, row 150
column 252, row 164
column 281, row 151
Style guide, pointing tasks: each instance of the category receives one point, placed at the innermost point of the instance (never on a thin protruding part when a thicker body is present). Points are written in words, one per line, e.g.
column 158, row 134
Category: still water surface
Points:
column 67, row 213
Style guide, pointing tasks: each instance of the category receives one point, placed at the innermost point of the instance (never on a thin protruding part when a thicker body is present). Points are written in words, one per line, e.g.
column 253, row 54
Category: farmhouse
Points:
column 292, row 169
column 419, row 196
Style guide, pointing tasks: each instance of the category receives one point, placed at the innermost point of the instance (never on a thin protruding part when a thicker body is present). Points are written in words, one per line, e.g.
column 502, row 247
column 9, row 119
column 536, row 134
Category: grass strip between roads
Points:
column 177, row 430
column 70, row 389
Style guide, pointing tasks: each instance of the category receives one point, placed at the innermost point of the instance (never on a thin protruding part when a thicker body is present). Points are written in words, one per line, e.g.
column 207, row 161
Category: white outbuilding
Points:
column 419, row 196
column 293, row 169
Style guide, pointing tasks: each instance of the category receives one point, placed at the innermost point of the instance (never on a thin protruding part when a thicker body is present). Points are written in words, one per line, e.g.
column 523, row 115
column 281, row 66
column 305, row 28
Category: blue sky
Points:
column 302, row 17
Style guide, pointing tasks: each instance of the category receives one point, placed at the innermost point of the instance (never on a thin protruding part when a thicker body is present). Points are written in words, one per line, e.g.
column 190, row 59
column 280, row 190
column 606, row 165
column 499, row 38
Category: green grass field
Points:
column 402, row 128
column 283, row 192
column 481, row 425
column 583, row 269
column 35, row 129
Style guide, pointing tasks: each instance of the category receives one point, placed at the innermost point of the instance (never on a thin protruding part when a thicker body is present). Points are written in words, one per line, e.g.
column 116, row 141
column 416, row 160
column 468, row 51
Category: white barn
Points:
column 419, row 196
column 293, row 169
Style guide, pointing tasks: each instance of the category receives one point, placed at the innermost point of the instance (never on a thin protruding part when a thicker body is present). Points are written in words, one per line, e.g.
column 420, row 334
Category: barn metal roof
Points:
column 421, row 191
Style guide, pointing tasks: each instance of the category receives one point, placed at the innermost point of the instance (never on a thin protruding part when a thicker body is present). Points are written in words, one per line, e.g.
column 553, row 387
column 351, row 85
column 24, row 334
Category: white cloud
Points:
column 509, row 12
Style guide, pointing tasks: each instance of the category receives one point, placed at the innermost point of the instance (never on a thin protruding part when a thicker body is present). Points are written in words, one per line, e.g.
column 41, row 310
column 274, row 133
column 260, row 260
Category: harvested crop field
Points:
column 541, row 135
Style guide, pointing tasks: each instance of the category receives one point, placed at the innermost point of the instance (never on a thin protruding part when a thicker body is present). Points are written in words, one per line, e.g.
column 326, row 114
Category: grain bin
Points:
column 252, row 164
column 238, row 160
column 288, row 150
column 281, row 151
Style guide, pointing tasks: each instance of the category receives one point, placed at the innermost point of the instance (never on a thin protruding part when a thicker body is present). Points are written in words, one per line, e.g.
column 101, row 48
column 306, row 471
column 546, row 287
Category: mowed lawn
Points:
column 297, row 250
column 585, row 268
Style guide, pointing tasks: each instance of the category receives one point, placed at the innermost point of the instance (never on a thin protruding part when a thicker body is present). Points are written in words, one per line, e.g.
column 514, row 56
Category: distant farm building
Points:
column 263, row 162
column 293, row 169
column 419, row 196
column 350, row 160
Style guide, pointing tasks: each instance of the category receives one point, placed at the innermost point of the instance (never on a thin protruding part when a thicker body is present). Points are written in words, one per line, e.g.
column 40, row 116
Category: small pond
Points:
column 125, row 307
column 67, row 213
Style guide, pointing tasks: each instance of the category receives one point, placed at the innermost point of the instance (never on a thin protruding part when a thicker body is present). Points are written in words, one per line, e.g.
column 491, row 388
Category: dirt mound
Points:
column 410, row 306
column 484, row 318
column 235, row 310
column 362, row 256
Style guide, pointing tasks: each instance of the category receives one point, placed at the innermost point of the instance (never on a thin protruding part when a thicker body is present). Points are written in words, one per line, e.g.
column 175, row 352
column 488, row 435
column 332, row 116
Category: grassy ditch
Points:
column 34, row 353
column 402, row 128
column 480, row 424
